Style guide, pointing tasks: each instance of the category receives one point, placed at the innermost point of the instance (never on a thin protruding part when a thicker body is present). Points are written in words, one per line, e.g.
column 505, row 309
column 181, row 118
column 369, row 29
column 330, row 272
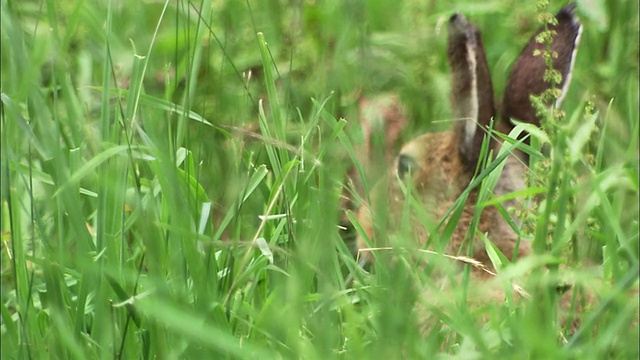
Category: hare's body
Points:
column 439, row 179
column 438, row 167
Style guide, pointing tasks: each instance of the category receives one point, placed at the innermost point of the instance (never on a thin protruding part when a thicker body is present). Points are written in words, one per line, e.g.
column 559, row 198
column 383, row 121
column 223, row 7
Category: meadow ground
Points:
column 172, row 174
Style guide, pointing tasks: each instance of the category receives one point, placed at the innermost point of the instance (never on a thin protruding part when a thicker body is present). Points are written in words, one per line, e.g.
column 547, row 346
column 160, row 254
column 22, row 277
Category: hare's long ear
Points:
column 526, row 78
column 471, row 88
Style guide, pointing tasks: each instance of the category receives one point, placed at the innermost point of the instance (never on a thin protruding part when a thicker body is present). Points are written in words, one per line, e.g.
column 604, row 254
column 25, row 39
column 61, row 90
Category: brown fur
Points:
column 439, row 178
column 441, row 165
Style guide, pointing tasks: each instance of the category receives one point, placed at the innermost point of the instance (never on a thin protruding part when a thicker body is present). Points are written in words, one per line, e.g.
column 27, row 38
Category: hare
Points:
column 440, row 166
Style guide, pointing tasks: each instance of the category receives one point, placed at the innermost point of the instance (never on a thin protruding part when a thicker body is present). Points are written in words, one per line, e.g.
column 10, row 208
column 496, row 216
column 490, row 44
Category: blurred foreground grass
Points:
column 143, row 144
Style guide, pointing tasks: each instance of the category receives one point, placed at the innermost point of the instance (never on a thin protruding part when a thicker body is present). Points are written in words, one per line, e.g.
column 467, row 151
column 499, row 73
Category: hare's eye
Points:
column 406, row 164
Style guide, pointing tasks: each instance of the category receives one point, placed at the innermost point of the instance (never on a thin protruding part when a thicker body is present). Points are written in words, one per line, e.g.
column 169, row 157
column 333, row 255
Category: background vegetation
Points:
column 172, row 173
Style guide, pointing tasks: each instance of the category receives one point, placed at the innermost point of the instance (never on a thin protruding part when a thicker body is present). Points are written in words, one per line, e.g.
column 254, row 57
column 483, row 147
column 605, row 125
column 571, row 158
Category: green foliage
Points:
column 172, row 173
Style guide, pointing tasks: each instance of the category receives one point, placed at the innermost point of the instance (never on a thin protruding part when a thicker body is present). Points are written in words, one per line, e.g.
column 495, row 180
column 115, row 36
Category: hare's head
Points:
column 438, row 167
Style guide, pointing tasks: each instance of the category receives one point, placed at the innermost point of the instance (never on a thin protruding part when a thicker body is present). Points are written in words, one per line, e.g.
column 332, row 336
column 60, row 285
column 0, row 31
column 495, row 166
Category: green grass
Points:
column 143, row 141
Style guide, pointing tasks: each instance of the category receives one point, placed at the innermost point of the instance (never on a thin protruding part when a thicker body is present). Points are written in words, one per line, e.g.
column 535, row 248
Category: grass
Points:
column 172, row 171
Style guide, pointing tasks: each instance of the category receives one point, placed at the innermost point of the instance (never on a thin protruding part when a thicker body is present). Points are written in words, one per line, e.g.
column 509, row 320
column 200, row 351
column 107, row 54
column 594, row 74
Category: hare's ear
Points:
column 471, row 89
column 527, row 76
